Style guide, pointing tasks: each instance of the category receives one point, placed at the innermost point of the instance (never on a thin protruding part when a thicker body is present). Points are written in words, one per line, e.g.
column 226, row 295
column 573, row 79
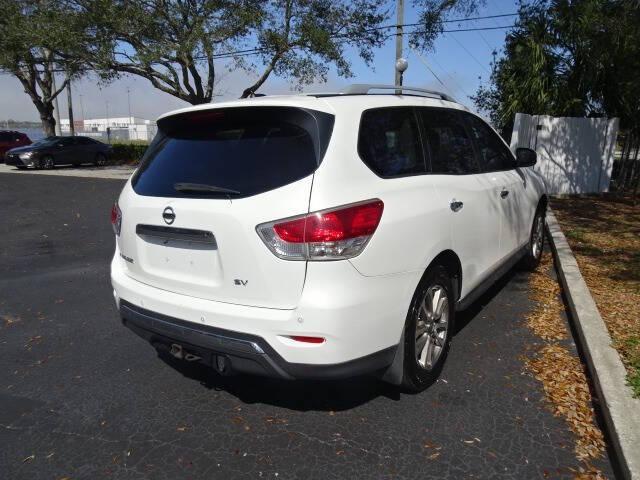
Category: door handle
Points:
column 504, row 193
column 456, row 205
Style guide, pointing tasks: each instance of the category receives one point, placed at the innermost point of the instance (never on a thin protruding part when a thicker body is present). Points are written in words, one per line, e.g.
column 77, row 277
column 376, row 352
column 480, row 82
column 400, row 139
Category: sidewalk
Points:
column 119, row 172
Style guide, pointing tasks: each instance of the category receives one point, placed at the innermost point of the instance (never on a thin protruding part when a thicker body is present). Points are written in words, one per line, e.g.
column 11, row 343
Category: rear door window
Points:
column 233, row 151
column 448, row 142
column 493, row 154
column 389, row 142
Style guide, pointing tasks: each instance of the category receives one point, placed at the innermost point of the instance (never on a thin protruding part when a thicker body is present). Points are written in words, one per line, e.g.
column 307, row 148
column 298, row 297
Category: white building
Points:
column 133, row 128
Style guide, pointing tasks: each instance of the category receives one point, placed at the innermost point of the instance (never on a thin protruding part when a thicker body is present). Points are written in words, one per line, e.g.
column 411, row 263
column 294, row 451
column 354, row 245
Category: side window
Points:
column 389, row 142
column 493, row 154
column 84, row 141
column 449, row 145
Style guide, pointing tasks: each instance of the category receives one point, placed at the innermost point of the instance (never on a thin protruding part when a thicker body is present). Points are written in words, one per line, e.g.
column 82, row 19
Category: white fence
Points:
column 575, row 155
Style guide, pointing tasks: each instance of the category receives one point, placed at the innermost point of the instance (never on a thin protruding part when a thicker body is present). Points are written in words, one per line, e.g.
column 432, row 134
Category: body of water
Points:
column 33, row 133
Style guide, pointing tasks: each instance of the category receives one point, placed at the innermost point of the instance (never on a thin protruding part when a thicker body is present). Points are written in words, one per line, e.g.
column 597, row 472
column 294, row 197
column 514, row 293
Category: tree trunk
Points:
column 48, row 122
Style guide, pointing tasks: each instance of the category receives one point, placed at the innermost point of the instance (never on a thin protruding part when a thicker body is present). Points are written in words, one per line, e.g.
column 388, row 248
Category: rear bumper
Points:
column 229, row 351
column 361, row 318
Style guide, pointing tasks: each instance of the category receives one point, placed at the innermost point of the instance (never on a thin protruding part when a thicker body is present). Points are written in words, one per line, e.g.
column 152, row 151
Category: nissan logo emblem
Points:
column 169, row 215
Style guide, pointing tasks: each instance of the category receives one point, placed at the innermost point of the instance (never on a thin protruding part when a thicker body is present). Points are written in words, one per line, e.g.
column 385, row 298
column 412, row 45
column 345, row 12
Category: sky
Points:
column 461, row 61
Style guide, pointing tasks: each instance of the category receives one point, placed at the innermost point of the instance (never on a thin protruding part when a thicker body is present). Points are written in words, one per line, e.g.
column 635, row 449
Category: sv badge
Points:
column 237, row 281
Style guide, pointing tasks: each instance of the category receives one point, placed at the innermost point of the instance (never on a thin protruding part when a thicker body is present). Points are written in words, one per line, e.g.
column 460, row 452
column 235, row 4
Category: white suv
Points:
column 321, row 236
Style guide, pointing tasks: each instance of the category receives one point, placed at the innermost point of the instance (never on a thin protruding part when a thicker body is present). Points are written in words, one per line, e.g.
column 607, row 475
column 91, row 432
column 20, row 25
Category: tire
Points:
column 46, row 162
column 101, row 160
column 531, row 260
column 21, row 167
column 428, row 330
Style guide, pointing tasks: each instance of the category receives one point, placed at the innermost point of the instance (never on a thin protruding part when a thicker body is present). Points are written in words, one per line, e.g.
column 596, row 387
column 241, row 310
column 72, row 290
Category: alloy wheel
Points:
column 537, row 236
column 432, row 326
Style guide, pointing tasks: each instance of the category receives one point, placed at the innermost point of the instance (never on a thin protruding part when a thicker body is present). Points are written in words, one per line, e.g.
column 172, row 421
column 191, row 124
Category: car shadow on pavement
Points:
column 325, row 395
column 329, row 395
column 515, row 275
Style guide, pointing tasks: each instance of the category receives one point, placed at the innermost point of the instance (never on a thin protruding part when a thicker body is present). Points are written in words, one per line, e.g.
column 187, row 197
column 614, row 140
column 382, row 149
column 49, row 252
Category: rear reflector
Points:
column 116, row 218
column 304, row 339
column 333, row 234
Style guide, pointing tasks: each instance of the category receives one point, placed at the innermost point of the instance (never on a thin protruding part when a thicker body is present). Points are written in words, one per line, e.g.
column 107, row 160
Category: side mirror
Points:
column 525, row 157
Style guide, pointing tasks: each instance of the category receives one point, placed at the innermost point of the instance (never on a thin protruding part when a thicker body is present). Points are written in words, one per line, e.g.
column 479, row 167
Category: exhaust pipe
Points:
column 178, row 352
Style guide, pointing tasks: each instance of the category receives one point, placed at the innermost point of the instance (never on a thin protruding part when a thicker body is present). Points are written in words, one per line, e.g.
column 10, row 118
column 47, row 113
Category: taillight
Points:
column 116, row 218
column 333, row 234
column 306, row 339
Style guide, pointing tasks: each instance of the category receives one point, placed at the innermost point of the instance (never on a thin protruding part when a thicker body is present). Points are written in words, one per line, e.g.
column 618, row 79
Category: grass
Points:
column 604, row 234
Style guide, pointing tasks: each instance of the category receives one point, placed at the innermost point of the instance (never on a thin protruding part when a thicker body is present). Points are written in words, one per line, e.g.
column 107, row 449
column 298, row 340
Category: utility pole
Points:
column 399, row 31
column 82, row 108
column 72, row 127
column 129, row 104
column 108, row 127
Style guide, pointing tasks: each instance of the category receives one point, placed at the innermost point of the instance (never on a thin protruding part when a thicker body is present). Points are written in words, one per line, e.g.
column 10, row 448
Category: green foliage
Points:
column 301, row 39
column 129, row 153
column 36, row 38
column 632, row 349
column 568, row 58
column 431, row 14
column 171, row 43
column 176, row 44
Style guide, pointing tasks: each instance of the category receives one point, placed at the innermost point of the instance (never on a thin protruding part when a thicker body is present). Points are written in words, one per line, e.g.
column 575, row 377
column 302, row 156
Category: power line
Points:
column 478, row 29
column 455, row 20
column 421, row 58
column 471, row 55
column 255, row 51
column 259, row 50
column 458, row 85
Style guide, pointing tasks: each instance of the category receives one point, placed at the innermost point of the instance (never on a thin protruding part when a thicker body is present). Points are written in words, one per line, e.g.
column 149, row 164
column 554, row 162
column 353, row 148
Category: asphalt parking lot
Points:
column 81, row 397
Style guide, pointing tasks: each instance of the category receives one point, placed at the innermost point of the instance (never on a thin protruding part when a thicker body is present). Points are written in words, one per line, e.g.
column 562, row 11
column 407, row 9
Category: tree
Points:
column 36, row 38
column 171, row 43
column 175, row 43
column 300, row 39
column 528, row 77
column 568, row 58
column 431, row 15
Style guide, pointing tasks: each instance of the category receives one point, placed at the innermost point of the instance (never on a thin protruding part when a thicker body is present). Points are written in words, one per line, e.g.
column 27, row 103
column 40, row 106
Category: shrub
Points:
column 129, row 153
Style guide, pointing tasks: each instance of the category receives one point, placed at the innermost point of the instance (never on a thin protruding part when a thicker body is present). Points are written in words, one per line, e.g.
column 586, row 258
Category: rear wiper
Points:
column 202, row 188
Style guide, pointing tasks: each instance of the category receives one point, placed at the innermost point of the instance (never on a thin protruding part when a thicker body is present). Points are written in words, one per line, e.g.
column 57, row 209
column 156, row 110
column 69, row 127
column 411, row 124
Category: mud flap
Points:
column 395, row 372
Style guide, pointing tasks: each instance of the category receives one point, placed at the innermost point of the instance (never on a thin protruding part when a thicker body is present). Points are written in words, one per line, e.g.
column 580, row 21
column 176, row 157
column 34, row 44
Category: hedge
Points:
column 127, row 152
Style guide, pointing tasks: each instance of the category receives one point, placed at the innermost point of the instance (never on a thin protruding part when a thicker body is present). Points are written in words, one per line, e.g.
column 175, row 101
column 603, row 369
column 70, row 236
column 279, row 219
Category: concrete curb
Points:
column 620, row 410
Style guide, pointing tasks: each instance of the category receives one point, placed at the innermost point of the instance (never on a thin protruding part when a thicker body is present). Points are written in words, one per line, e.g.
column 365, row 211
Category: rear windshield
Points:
column 233, row 152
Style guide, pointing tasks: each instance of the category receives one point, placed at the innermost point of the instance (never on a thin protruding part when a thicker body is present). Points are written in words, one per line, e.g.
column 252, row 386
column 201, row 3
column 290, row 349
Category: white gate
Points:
column 575, row 155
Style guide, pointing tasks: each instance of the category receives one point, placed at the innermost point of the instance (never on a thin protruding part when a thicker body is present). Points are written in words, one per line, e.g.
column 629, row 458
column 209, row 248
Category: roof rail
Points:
column 364, row 88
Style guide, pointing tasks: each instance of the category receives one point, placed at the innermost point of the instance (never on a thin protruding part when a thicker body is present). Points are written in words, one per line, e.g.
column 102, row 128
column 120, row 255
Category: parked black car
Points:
column 52, row 151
